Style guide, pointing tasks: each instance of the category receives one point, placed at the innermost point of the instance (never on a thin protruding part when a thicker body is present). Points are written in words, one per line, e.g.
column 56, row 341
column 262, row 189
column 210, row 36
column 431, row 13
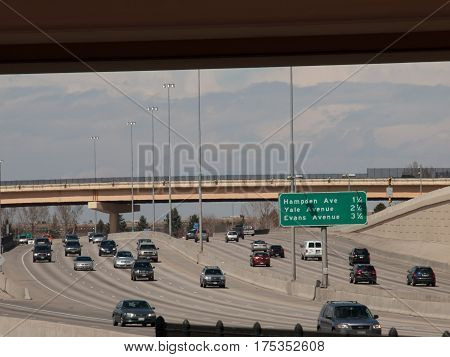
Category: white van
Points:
column 311, row 249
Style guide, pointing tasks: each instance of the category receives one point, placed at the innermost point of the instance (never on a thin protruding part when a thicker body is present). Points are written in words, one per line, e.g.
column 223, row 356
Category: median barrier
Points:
column 384, row 300
column 186, row 329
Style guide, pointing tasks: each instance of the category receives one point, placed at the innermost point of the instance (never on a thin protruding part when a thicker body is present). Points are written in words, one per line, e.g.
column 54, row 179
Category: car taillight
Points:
column 358, row 272
column 414, row 275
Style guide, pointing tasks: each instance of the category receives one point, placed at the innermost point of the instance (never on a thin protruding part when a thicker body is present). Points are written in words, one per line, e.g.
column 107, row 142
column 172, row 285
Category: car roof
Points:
column 83, row 257
column 211, row 267
column 344, row 303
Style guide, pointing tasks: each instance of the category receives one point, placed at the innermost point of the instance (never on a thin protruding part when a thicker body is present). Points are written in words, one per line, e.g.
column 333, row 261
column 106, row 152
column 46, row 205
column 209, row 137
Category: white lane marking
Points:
column 53, row 312
column 56, row 292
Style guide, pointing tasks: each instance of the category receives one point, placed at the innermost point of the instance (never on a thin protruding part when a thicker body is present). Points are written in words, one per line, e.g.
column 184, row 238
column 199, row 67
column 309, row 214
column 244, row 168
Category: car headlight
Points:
column 207, row 277
column 130, row 314
column 151, row 314
column 342, row 326
column 48, row 254
column 376, row 326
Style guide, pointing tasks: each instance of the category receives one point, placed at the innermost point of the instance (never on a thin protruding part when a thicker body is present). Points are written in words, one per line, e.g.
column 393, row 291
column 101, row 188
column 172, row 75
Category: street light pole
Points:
column 420, row 175
column 131, row 124
column 292, row 169
column 152, row 110
column 168, row 86
column 200, row 205
column 94, row 140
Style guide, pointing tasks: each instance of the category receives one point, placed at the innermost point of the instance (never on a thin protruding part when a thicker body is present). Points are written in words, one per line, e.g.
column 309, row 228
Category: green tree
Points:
column 100, row 226
column 379, row 207
column 176, row 222
column 192, row 219
column 122, row 224
column 142, row 224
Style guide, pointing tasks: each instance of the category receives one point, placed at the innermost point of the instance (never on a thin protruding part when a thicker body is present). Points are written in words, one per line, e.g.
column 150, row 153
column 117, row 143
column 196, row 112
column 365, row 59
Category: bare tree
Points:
column 31, row 216
column 264, row 213
column 68, row 217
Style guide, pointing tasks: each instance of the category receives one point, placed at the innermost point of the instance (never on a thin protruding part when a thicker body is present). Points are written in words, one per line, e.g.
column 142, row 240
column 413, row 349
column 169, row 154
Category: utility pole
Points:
column 292, row 169
column 200, row 208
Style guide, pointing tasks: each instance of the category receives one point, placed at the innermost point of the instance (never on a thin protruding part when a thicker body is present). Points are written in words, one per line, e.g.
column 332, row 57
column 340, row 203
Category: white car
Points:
column 311, row 249
column 249, row 231
column 259, row 245
column 231, row 236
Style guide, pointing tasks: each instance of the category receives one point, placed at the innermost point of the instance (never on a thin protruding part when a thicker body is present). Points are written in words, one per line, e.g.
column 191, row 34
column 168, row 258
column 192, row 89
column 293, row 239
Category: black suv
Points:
column 420, row 275
column 276, row 251
column 348, row 318
column 72, row 247
column 107, row 247
column 42, row 252
column 359, row 256
column 363, row 273
column 142, row 269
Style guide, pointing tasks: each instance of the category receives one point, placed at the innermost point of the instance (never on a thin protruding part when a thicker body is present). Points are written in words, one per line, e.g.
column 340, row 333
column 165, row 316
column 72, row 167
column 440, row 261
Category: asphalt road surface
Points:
column 87, row 298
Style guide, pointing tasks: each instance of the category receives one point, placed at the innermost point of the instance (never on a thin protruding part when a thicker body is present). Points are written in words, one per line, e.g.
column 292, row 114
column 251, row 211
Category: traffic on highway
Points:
column 128, row 279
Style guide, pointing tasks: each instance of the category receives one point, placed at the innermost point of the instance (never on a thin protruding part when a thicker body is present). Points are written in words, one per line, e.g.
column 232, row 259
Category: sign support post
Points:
column 324, row 238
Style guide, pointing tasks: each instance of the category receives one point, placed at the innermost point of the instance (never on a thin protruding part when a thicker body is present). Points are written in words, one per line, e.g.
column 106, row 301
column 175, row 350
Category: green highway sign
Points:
column 321, row 209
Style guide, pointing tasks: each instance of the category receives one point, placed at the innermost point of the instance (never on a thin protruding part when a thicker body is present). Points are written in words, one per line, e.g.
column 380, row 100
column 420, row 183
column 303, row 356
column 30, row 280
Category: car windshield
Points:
column 276, row 247
column 143, row 241
column 259, row 242
column 232, row 233
column 261, row 254
column 71, row 237
column 361, row 251
column 425, row 270
column 213, row 272
column 41, row 248
column 108, row 243
column 83, row 259
column 136, row 305
column 366, row 267
column 72, row 244
column 148, row 246
column 142, row 265
column 357, row 312
column 98, row 235
column 125, row 254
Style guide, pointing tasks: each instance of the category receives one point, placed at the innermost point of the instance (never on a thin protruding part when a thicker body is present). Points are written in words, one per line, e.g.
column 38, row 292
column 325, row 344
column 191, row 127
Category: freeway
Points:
column 87, row 298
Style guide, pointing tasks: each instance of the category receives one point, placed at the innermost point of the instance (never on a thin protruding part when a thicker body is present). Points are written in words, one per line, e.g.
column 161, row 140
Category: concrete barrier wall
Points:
column 37, row 328
column 383, row 301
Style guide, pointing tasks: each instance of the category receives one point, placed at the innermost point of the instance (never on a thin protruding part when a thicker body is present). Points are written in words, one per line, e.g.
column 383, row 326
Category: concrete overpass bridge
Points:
column 113, row 195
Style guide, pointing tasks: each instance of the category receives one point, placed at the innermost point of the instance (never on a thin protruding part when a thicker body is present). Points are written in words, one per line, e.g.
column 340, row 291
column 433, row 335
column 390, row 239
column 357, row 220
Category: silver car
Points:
column 143, row 241
column 123, row 259
column 98, row 238
column 148, row 251
column 83, row 263
column 231, row 236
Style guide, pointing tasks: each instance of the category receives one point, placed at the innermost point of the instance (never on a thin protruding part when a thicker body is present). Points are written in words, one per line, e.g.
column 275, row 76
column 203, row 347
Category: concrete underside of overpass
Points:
column 85, row 36
column 419, row 227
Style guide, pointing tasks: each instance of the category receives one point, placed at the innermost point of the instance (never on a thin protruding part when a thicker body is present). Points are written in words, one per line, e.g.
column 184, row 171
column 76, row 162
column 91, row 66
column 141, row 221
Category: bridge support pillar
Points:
column 113, row 209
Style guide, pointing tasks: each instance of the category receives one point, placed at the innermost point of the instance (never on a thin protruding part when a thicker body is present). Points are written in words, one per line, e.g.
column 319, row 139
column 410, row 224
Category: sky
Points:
column 352, row 118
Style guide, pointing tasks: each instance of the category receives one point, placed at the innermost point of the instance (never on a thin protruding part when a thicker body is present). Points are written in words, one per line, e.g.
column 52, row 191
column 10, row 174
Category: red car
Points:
column 260, row 258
